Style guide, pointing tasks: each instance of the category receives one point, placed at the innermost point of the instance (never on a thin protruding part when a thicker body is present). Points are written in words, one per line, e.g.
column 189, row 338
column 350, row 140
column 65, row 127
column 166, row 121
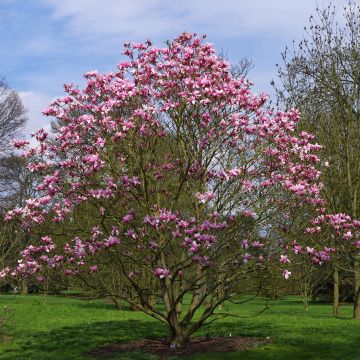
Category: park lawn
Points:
column 59, row 328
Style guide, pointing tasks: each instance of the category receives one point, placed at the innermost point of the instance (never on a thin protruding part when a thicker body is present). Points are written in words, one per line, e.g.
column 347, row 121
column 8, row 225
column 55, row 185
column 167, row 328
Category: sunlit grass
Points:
column 58, row 328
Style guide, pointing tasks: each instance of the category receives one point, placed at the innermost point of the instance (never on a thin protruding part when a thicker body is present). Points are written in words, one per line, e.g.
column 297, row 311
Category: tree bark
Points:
column 178, row 337
column 221, row 290
column 335, row 291
column 306, row 296
column 306, row 304
column 24, row 288
column 356, row 313
column 116, row 303
column 152, row 300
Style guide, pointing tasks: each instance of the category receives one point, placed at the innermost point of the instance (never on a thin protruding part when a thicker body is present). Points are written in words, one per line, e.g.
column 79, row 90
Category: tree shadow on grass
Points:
column 310, row 343
column 101, row 304
column 284, row 352
column 73, row 342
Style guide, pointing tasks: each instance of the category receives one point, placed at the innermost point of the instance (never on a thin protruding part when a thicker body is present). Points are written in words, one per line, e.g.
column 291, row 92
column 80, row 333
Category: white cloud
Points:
column 34, row 103
column 149, row 18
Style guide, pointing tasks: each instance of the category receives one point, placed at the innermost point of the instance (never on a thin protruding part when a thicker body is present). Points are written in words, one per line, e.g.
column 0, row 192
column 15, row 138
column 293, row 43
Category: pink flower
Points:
column 183, row 224
column 286, row 274
column 100, row 142
column 249, row 213
column 247, row 185
column 245, row 244
column 162, row 273
column 153, row 245
column 79, row 248
column 129, row 217
column 194, row 247
column 131, row 233
column 310, row 250
column 18, row 144
column 90, row 74
column 284, row 259
column 93, row 268
column 4, row 272
column 205, row 197
column 112, row 240
column 257, row 245
column 246, row 258
column 40, row 135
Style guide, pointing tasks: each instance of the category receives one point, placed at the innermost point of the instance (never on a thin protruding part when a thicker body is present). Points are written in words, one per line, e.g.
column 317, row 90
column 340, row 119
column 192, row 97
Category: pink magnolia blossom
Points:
column 286, row 274
column 162, row 273
column 284, row 259
column 205, row 197
column 18, row 144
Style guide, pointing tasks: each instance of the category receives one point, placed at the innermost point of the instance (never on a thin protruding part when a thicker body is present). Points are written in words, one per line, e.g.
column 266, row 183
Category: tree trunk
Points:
column 178, row 337
column 336, row 292
column 203, row 290
column 356, row 313
column 306, row 302
column 152, row 300
column 305, row 295
column 116, row 303
column 132, row 296
column 24, row 288
column 177, row 290
column 221, row 290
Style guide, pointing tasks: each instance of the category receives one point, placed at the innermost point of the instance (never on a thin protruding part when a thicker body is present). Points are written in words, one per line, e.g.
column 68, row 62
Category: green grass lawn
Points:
column 66, row 329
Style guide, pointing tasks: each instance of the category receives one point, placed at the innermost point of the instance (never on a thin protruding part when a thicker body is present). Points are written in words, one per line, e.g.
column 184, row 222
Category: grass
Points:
column 65, row 329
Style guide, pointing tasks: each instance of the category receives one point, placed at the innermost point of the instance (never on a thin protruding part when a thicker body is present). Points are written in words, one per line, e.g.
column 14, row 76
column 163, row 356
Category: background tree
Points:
column 12, row 116
column 308, row 274
column 16, row 182
column 14, row 179
column 12, row 121
column 321, row 77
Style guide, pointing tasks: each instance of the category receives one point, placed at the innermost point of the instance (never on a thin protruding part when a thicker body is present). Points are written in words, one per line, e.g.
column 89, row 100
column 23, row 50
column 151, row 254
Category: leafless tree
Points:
column 12, row 116
column 321, row 77
column 12, row 169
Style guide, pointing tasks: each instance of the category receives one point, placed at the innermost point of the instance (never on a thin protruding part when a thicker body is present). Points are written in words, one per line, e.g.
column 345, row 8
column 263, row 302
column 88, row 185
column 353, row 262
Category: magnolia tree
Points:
column 343, row 233
column 170, row 154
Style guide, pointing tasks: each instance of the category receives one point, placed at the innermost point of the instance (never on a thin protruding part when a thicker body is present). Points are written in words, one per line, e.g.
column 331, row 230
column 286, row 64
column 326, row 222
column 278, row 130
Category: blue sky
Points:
column 45, row 43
